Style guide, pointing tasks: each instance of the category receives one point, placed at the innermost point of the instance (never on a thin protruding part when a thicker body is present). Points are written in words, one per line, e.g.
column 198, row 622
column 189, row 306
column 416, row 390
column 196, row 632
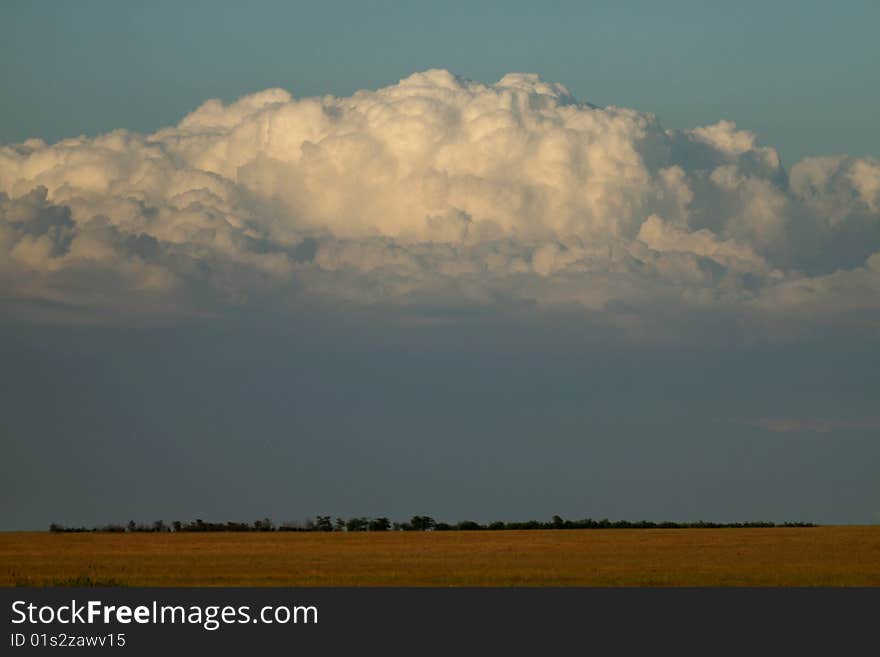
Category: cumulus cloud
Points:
column 441, row 191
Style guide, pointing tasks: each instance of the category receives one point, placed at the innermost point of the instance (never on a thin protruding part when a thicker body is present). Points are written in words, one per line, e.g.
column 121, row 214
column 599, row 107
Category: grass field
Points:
column 818, row 556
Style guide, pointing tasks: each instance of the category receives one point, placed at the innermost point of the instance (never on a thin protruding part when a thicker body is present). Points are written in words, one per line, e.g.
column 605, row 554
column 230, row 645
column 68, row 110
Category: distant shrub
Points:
column 468, row 525
column 416, row 523
column 379, row 524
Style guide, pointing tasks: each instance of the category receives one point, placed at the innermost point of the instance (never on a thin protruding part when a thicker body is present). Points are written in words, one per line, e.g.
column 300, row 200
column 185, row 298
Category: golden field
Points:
column 782, row 556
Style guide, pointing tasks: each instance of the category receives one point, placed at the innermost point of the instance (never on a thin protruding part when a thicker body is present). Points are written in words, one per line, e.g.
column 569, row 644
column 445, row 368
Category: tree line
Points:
column 416, row 523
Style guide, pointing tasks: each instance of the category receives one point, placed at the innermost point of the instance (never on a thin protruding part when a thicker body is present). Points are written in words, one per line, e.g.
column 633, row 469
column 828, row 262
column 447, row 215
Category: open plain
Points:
column 781, row 556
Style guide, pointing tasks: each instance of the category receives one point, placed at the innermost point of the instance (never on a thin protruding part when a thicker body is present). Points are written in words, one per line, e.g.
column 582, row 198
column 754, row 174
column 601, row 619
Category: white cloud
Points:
column 439, row 189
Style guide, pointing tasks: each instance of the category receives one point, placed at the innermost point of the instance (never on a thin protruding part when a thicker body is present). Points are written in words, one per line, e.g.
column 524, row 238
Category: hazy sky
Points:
column 496, row 262
column 801, row 73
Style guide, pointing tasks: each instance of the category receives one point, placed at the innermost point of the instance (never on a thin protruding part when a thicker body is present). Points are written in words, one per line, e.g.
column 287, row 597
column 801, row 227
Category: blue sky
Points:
column 803, row 75
column 468, row 296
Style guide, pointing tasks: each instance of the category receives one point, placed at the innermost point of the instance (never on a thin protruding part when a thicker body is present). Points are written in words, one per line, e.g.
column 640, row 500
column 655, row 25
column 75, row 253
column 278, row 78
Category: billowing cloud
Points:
column 441, row 192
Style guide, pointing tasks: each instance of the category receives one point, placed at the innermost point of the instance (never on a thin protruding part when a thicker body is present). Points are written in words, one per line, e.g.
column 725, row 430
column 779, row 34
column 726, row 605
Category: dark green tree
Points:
column 382, row 524
column 422, row 523
column 356, row 525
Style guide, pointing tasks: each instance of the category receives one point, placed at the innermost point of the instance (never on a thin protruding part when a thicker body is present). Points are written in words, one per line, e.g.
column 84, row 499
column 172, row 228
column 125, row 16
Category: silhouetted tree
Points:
column 264, row 525
column 419, row 523
column 323, row 524
column 422, row 523
column 380, row 524
column 468, row 525
column 356, row 525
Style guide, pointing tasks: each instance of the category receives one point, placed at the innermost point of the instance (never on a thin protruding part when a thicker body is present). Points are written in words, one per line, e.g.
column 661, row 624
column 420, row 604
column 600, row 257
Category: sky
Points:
column 802, row 74
column 492, row 262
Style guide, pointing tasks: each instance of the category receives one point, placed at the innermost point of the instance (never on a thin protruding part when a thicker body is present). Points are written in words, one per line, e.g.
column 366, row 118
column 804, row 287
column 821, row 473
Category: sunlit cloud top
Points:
column 441, row 192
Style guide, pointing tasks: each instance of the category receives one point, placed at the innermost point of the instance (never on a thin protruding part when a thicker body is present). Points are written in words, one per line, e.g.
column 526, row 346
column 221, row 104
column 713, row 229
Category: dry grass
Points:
column 820, row 556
